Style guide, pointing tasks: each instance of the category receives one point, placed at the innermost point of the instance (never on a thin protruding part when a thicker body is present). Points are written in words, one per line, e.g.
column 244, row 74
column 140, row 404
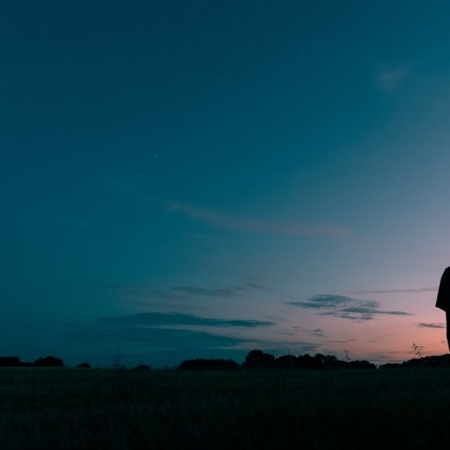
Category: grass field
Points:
column 84, row 409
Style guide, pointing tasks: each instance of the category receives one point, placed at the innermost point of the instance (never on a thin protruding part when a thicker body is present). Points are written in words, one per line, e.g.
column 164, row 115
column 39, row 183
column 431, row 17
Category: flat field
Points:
column 119, row 409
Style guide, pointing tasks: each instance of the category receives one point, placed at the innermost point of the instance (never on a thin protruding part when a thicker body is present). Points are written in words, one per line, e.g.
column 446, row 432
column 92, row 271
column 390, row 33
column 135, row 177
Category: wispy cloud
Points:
column 395, row 291
column 208, row 292
column 318, row 332
column 149, row 295
column 164, row 331
column 322, row 301
column 346, row 307
column 156, row 338
column 135, row 290
column 157, row 319
column 430, row 325
column 391, row 79
column 234, row 223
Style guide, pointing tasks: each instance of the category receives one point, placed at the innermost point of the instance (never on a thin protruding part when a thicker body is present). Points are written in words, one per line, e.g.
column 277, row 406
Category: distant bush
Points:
column 10, row 361
column 208, row 364
column 361, row 365
column 425, row 361
column 142, row 367
column 48, row 361
column 286, row 362
column 390, row 366
column 305, row 362
column 13, row 361
column 84, row 365
column 257, row 359
column 428, row 361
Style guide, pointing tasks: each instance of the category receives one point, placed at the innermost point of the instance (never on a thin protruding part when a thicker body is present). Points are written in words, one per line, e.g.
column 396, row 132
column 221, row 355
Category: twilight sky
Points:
column 184, row 179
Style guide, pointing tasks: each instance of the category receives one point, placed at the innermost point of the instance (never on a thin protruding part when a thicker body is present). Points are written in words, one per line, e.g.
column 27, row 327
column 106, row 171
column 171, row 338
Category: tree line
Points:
column 255, row 359
column 14, row 361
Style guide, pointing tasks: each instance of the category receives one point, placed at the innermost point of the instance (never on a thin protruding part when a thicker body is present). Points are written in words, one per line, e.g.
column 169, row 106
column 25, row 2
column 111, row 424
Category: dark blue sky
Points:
column 191, row 179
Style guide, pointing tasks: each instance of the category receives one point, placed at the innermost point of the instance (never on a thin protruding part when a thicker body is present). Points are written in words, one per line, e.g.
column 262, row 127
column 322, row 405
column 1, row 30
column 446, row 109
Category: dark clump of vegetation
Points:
column 208, row 364
column 142, row 367
column 14, row 361
column 84, row 365
column 48, row 361
column 255, row 359
column 425, row 362
column 258, row 360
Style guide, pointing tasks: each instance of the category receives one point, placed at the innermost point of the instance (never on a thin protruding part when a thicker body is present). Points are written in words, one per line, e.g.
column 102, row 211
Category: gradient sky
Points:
column 184, row 179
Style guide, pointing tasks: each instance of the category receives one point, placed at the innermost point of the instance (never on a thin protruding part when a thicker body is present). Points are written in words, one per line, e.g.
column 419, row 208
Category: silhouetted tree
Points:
column 428, row 361
column 10, row 361
column 48, row 361
column 257, row 359
column 319, row 361
column 332, row 362
column 286, row 362
column 208, row 364
column 84, row 365
column 390, row 366
column 361, row 365
column 142, row 367
column 305, row 362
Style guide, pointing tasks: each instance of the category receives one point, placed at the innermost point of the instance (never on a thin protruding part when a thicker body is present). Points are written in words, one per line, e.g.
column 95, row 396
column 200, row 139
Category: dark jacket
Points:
column 443, row 296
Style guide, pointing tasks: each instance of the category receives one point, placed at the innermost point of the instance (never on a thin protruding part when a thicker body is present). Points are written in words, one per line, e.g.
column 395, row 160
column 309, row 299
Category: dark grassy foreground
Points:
column 83, row 409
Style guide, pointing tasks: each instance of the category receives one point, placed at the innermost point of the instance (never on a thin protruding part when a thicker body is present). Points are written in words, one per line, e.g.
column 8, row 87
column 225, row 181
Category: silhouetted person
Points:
column 443, row 299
